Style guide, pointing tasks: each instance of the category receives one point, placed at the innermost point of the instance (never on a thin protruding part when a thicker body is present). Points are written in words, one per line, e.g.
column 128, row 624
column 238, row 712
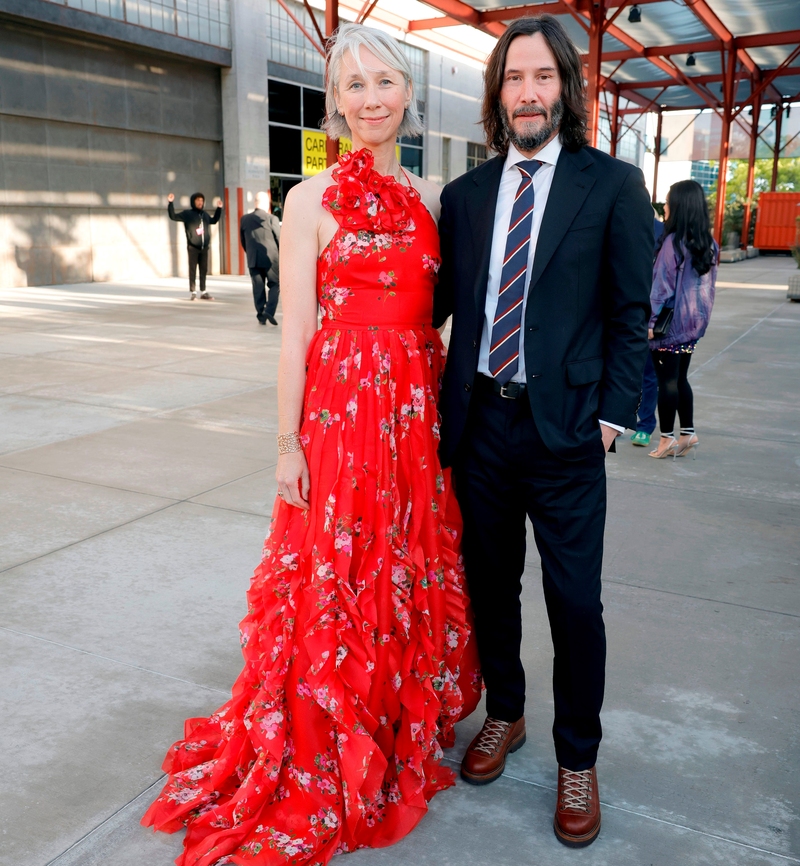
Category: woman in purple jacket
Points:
column 684, row 277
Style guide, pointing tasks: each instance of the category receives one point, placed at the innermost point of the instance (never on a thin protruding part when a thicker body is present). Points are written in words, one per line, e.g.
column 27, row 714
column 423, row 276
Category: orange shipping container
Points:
column 776, row 228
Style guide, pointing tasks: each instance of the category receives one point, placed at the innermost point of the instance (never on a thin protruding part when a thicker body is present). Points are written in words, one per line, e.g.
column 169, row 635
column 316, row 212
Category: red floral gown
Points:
column 357, row 658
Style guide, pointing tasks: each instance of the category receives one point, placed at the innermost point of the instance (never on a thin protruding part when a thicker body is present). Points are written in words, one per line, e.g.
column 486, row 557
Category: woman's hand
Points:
column 650, row 334
column 171, row 197
column 293, row 480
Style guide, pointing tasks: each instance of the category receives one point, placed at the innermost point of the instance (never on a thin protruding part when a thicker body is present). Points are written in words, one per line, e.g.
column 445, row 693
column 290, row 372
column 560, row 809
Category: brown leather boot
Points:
column 485, row 759
column 577, row 818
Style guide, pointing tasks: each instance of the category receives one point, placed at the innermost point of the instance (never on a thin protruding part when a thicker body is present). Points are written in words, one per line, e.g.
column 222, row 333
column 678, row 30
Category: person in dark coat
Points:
column 196, row 224
column 547, row 254
column 260, row 234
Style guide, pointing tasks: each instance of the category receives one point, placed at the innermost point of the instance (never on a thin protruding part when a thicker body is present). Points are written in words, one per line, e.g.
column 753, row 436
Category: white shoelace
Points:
column 576, row 788
column 491, row 736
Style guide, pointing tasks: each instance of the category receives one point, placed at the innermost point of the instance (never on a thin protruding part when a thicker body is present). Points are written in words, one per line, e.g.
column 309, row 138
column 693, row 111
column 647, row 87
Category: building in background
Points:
column 690, row 143
column 102, row 113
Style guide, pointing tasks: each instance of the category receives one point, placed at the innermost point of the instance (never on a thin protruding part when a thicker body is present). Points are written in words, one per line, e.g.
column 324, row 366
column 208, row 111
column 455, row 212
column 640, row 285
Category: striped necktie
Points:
column 504, row 347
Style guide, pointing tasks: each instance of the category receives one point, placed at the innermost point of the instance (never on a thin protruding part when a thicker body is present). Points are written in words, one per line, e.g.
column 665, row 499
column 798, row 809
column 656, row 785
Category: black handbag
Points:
column 663, row 322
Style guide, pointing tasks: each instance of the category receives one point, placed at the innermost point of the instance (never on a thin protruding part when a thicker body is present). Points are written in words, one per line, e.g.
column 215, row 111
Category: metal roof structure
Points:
column 645, row 60
column 659, row 55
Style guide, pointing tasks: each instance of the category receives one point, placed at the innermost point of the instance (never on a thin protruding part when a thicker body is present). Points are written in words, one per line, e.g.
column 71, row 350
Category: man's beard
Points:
column 534, row 139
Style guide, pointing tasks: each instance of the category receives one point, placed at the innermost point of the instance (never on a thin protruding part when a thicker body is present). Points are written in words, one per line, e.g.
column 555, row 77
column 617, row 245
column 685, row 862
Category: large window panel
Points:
column 313, row 108
column 284, row 103
column 285, row 155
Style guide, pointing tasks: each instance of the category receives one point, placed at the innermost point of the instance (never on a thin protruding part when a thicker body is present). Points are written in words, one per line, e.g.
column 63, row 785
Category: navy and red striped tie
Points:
column 504, row 347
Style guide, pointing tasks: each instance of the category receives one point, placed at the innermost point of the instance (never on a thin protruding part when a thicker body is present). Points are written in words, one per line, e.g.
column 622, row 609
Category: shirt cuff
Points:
column 613, row 426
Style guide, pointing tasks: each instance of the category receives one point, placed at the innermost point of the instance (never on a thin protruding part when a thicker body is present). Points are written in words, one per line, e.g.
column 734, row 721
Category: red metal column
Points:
column 227, row 264
column 751, row 173
column 240, row 207
column 614, row 122
column 593, row 75
column 657, row 155
column 331, row 25
column 777, row 150
column 725, row 141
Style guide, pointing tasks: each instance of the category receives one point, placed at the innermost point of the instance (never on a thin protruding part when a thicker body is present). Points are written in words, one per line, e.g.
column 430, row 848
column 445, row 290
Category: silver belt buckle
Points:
column 504, row 393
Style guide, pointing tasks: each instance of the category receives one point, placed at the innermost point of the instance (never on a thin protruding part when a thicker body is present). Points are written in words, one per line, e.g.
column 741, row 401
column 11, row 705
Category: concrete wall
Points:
column 245, row 115
column 454, row 107
column 92, row 138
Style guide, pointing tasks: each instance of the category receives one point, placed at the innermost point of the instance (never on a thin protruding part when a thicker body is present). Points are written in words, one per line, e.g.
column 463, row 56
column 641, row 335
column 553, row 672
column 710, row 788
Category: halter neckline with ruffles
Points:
column 364, row 200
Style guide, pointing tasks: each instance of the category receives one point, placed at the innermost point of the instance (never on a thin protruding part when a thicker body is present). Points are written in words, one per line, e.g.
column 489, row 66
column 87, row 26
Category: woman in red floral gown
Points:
column 356, row 642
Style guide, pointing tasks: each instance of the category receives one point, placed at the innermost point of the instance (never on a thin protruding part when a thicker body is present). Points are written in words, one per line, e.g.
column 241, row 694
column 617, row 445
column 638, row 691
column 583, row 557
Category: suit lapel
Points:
column 567, row 194
column 481, row 203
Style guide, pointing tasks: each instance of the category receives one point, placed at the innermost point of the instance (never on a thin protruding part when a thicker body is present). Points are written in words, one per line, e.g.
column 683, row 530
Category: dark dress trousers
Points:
column 260, row 234
column 541, row 455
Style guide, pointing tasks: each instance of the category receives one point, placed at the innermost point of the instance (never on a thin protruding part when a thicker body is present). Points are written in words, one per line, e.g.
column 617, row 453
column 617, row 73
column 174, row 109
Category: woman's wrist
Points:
column 288, row 443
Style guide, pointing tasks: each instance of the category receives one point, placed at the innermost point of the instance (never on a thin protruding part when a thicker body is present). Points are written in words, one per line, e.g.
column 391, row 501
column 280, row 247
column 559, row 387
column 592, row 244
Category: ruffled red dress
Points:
column 356, row 643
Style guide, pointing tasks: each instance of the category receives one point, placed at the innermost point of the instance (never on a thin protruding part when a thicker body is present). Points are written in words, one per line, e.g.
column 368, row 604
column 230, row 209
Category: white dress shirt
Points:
column 509, row 184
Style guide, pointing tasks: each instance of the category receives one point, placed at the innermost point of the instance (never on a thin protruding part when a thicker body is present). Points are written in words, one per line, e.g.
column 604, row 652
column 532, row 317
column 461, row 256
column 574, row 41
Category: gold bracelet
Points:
column 288, row 443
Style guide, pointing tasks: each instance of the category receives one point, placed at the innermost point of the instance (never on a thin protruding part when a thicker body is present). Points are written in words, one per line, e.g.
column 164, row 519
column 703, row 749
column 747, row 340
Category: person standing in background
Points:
column 646, row 413
column 260, row 234
column 196, row 223
column 684, row 278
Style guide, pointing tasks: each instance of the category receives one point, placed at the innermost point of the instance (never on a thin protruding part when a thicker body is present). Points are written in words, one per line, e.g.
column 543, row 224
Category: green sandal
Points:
column 641, row 438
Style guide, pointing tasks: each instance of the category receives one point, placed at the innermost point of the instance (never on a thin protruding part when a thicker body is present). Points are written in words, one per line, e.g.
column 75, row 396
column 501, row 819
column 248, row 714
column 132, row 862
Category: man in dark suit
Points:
column 546, row 269
column 260, row 234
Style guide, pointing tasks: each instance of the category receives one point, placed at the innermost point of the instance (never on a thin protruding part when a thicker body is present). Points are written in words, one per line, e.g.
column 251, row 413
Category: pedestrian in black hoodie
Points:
column 196, row 223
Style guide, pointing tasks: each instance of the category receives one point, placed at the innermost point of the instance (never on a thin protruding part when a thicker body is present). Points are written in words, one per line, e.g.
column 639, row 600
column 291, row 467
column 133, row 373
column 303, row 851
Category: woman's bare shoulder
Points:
column 429, row 192
column 426, row 186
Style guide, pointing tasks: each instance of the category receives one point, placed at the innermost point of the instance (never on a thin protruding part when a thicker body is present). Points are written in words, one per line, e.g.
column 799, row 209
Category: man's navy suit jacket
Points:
column 585, row 328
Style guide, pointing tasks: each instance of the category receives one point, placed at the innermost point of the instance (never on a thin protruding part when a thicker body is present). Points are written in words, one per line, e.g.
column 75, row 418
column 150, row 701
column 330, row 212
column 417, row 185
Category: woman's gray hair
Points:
column 350, row 37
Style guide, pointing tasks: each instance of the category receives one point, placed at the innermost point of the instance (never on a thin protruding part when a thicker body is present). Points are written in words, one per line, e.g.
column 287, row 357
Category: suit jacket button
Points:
column 474, row 344
column 467, row 387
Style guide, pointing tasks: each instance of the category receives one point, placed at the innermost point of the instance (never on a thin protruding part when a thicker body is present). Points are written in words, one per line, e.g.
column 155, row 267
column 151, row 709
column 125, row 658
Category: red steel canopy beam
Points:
column 762, row 40
column 698, row 79
column 464, row 14
column 432, row 23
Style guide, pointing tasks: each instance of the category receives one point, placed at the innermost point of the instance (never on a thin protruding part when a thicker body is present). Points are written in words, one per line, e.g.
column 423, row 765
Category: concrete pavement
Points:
column 136, row 479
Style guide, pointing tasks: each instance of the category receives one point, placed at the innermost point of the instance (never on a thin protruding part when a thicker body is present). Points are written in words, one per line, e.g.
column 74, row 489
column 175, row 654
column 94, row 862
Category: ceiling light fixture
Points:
column 635, row 15
column 690, row 60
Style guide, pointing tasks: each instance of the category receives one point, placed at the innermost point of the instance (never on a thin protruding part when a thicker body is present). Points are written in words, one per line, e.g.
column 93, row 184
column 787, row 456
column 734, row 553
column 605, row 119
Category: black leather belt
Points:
column 510, row 391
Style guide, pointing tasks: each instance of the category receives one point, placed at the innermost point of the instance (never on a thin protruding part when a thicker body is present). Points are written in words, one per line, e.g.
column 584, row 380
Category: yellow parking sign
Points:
column 314, row 154
column 315, row 158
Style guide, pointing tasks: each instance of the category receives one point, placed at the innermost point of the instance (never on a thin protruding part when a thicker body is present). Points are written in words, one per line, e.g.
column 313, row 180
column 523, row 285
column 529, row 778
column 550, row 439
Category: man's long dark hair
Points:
column 573, row 125
column 689, row 224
